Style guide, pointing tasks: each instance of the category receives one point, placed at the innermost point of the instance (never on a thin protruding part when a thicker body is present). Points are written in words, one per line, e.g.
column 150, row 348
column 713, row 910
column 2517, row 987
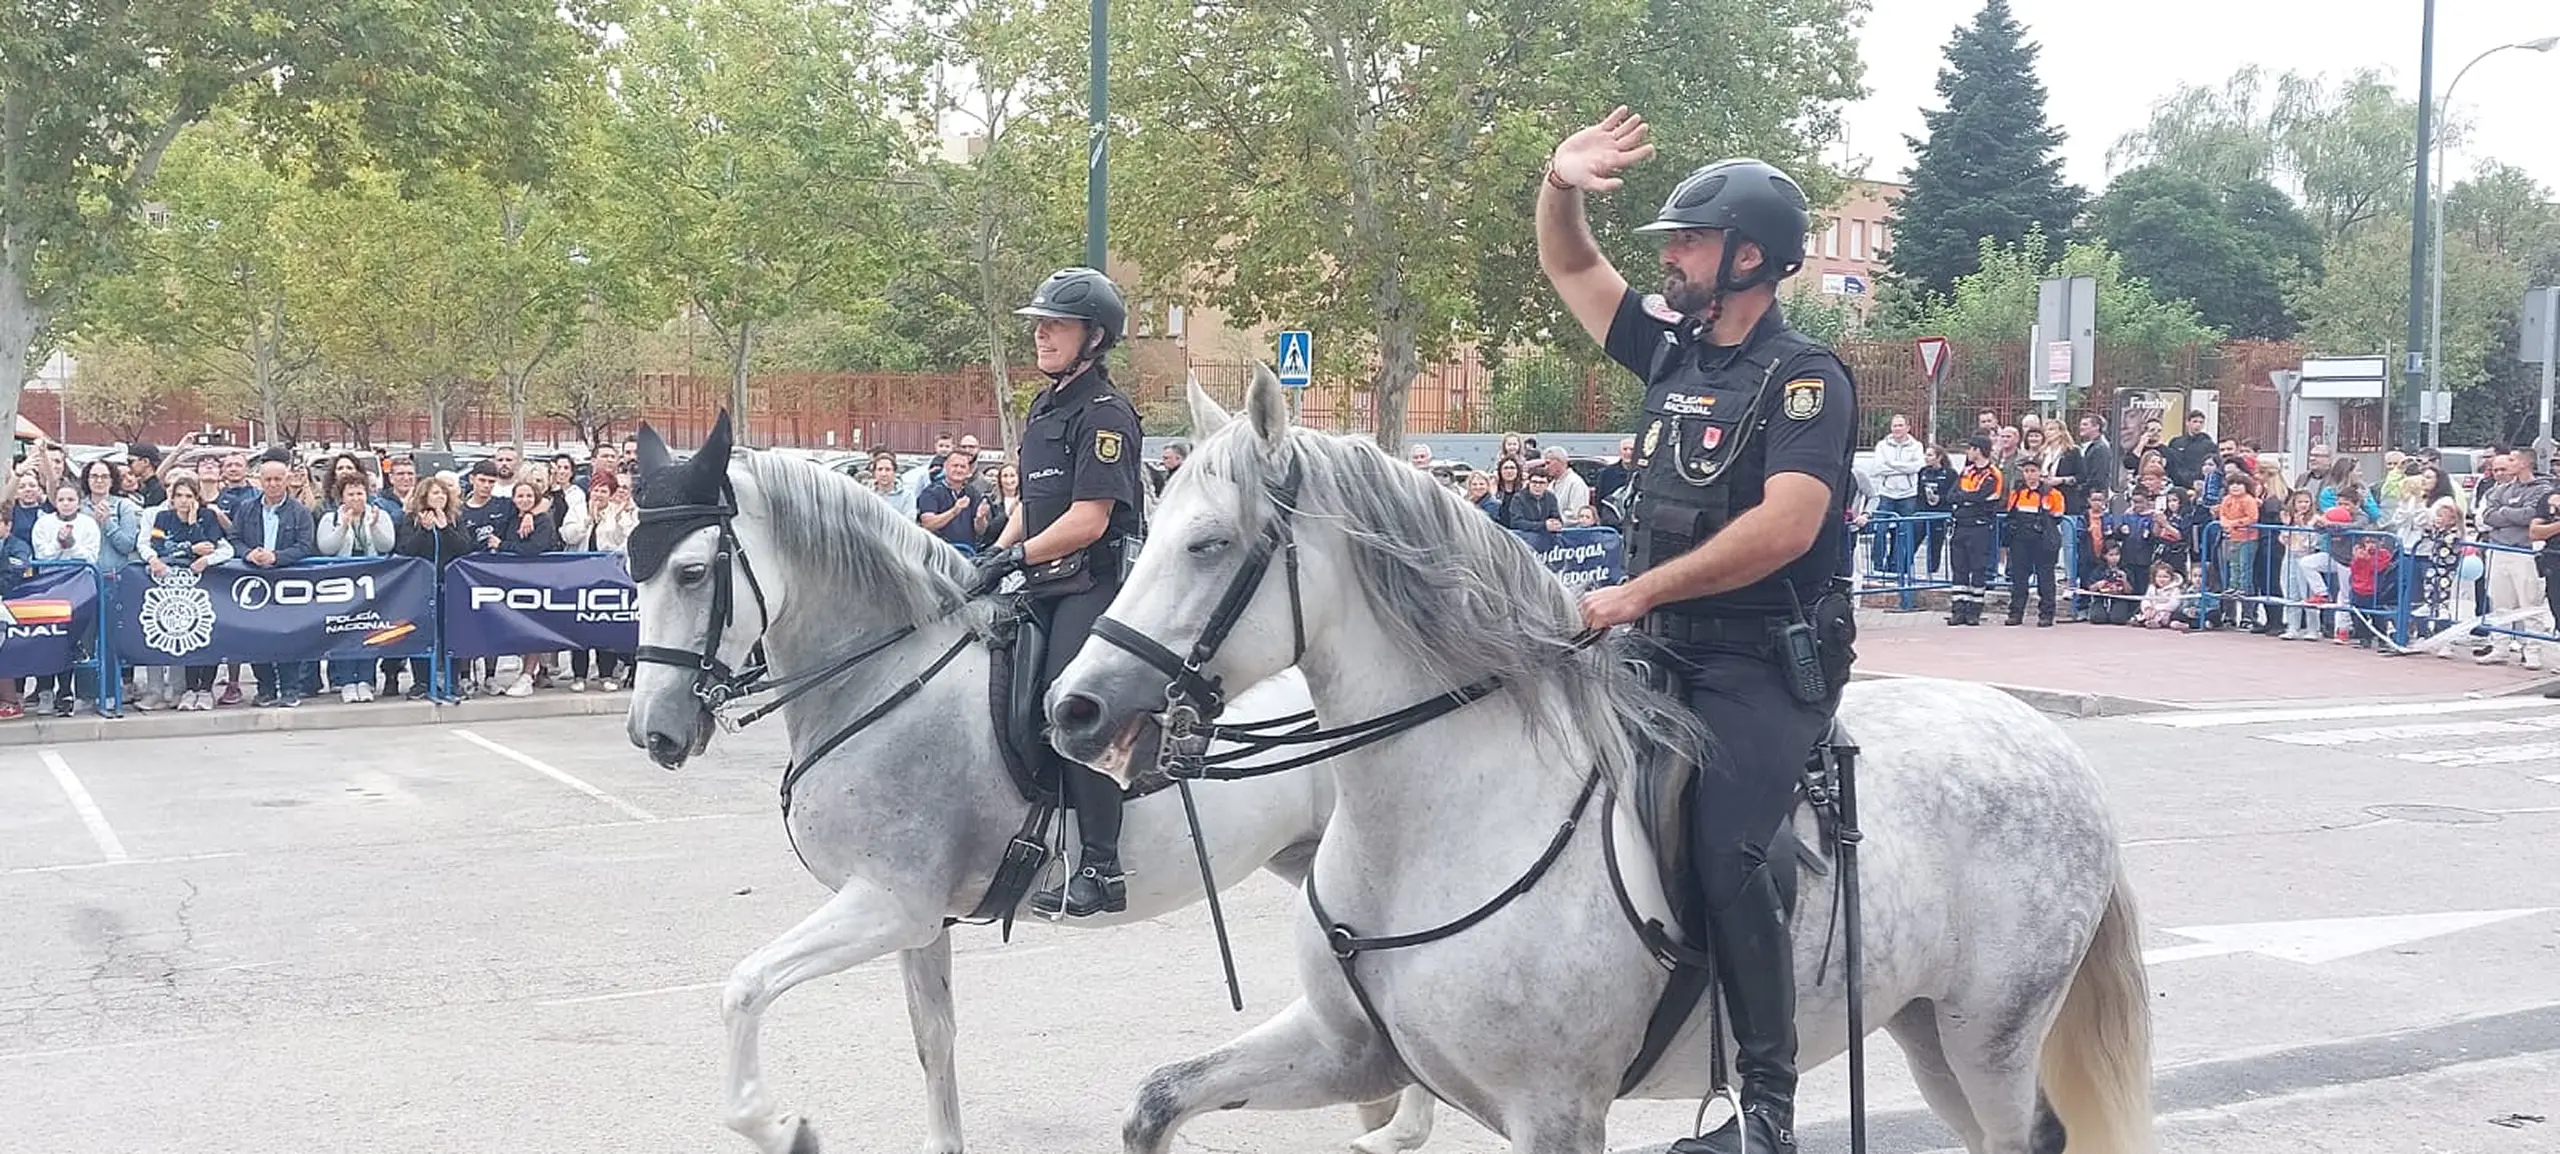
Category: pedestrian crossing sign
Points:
column 1297, row 359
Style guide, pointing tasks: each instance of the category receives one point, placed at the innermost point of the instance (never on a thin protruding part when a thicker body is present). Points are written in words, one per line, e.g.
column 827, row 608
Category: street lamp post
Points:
column 2413, row 373
column 1097, row 184
column 2435, row 324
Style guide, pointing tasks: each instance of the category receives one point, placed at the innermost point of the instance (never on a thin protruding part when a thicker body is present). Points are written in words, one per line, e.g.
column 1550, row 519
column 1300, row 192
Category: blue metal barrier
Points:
column 1903, row 537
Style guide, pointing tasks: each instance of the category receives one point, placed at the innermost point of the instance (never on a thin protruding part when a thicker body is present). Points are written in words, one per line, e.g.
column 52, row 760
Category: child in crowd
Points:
column 2238, row 514
column 2162, row 606
column 2304, row 565
column 2113, row 596
column 2365, row 568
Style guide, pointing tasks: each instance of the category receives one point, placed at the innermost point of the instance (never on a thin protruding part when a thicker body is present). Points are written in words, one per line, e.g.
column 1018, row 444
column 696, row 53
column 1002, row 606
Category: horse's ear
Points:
column 1266, row 404
column 653, row 451
column 711, row 465
column 1207, row 415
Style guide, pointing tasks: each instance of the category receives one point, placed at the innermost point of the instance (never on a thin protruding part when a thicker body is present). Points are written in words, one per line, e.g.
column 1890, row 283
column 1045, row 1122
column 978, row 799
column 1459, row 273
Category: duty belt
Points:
column 1695, row 630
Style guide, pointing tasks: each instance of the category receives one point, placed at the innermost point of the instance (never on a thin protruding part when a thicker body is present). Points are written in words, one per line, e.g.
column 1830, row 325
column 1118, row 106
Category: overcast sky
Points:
column 2104, row 63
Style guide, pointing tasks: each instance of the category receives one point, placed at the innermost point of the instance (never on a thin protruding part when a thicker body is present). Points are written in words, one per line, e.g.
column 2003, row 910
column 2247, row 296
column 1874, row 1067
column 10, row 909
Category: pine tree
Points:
column 1991, row 165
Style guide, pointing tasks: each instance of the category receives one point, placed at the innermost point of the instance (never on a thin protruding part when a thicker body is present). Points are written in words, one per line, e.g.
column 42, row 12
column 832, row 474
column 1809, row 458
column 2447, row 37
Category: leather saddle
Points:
column 1014, row 695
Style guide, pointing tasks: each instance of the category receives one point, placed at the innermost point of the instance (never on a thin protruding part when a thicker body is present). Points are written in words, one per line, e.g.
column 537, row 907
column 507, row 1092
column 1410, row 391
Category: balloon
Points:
column 2470, row 569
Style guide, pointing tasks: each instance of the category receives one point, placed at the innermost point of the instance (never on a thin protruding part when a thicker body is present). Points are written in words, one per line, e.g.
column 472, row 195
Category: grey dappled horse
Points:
column 907, row 818
column 2001, row 943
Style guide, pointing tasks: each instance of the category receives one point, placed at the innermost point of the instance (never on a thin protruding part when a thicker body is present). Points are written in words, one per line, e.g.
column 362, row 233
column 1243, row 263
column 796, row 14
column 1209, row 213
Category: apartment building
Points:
column 1843, row 260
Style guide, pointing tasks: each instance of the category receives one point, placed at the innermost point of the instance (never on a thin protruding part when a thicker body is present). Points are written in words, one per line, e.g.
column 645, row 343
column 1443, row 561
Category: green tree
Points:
column 594, row 384
column 2361, row 305
column 2342, row 152
column 124, row 386
column 747, row 151
column 998, row 216
column 1997, row 302
column 1991, row 167
column 2505, row 211
column 395, row 293
column 205, row 278
column 92, row 96
column 1368, row 168
column 2227, row 253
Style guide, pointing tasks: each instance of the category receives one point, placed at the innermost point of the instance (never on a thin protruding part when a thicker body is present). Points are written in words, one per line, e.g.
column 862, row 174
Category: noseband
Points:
column 1191, row 697
column 715, row 685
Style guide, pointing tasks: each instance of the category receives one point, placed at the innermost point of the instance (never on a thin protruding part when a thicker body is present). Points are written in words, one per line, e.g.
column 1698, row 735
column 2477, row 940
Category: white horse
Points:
column 907, row 817
column 2001, row 943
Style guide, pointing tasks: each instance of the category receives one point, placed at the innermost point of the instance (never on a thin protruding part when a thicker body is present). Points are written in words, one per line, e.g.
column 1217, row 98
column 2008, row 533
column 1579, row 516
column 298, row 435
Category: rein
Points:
column 1193, row 699
column 715, row 685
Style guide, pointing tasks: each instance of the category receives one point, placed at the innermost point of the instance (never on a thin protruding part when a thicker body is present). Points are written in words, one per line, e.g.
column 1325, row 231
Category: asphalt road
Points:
column 404, row 941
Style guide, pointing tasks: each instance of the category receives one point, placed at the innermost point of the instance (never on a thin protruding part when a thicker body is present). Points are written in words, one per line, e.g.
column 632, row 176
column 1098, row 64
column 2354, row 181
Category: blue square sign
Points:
column 1297, row 359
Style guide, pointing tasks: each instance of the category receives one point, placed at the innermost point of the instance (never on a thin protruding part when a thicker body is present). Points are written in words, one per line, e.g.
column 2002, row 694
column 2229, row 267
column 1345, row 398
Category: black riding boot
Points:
column 1097, row 886
column 1755, row 967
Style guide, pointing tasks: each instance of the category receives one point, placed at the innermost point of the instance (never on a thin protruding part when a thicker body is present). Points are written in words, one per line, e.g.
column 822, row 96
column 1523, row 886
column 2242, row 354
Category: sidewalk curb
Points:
column 312, row 716
column 2067, row 702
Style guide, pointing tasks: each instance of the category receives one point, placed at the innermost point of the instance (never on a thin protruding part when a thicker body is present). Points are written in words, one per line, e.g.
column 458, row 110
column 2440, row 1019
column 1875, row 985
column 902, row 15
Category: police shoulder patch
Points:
column 1803, row 398
column 1106, row 446
column 1660, row 309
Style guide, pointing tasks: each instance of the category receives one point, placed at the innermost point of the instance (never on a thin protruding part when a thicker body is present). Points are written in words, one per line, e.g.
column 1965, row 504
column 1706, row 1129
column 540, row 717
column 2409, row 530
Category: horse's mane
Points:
column 852, row 542
column 1454, row 591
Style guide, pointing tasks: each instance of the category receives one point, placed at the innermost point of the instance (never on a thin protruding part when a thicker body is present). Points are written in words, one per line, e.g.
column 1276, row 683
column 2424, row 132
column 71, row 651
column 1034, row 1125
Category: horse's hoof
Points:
column 804, row 1138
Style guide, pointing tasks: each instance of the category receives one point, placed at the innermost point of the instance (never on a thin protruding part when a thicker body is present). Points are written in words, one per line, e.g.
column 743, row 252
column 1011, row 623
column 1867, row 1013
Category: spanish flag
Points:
column 39, row 611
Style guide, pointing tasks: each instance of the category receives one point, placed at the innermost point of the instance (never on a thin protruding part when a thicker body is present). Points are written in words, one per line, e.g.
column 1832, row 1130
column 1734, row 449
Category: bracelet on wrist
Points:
column 1551, row 178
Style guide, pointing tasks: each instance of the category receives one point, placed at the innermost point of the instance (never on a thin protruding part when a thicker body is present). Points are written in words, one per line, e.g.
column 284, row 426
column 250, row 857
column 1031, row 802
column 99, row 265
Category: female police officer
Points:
column 1734, row 541
column 1080, row 478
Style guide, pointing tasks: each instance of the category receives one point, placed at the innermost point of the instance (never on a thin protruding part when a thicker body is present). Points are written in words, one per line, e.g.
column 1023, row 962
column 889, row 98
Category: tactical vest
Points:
column 1701, row 459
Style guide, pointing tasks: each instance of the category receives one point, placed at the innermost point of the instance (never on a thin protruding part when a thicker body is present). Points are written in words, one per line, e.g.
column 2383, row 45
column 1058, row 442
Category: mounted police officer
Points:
column 1742, row 472
column 1080, row 500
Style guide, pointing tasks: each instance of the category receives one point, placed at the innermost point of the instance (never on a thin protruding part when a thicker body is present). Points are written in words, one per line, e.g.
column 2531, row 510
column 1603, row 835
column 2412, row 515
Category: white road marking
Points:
column 87, row 807
column 2485, row 755
column 2202, row 719
column 103, row 1047
column 2321, row 940
column 138, row 861
column 625, row 995
column 2422, row 731
column 557, row 775
column 868, row 969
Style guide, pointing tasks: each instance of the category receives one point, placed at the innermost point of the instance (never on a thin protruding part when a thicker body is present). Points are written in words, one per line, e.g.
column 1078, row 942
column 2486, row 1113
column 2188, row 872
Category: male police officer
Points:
column 1735, row 540
column 1080, row 494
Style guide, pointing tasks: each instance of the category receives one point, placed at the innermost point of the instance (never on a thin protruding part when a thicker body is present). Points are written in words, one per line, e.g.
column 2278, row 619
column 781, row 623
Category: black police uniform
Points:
column 1719, row 422
column 1081, row 443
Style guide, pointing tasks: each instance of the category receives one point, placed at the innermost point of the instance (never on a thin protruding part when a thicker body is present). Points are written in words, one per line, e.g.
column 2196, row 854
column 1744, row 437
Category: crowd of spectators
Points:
column 271, row 511
column 2196, row 532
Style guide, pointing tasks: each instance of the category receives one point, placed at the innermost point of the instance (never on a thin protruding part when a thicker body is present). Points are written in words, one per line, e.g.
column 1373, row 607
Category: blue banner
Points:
column 1584, row 558
column 500, row 603
column 47, row 617
column 319, row 610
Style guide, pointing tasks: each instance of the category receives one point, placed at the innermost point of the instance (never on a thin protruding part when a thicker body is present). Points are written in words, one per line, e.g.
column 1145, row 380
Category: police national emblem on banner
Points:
column 502, row 603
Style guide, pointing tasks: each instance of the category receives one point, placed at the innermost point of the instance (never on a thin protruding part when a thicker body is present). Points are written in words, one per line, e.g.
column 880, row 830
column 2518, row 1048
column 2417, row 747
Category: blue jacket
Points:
column 296, row 533
column 175, row 540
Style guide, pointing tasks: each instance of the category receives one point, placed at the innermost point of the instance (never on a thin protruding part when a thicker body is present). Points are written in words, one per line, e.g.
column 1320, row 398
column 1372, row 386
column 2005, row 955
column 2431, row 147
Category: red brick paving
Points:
column 2190, row 669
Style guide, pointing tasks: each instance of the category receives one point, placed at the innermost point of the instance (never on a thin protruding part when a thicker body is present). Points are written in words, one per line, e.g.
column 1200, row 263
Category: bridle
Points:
column 1191, row 697
column 1194, row 700
column 715, row 685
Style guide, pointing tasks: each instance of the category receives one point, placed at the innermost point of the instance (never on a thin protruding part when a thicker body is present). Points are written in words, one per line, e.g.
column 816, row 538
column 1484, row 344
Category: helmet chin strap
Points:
column 1084, row 361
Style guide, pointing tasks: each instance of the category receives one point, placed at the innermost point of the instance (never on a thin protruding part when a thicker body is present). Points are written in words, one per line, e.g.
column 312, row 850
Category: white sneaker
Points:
column 578, row 686
column 2532, row 659
column 346, row 695
column 522, row 687
column 609, row 685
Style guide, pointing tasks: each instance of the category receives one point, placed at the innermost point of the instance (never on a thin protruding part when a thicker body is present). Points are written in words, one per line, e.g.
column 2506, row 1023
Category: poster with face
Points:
column 2137, row 409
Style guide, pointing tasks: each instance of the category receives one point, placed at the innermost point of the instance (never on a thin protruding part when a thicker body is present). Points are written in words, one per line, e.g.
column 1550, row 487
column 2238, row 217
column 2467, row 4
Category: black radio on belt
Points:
column 1801, row 653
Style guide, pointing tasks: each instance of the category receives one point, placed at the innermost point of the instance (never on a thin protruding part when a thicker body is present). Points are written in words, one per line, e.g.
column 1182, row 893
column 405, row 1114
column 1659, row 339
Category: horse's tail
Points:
column 2097, row 1059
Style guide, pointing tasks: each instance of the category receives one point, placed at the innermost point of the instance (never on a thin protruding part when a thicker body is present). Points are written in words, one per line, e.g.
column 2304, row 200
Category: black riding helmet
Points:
column 1082, row 294
column 1745, row 198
